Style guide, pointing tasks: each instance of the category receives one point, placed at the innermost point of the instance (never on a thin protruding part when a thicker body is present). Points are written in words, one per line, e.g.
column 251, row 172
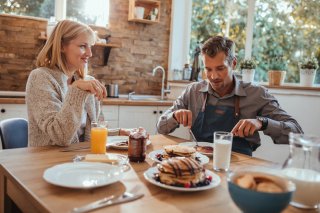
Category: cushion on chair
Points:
column 14, row 133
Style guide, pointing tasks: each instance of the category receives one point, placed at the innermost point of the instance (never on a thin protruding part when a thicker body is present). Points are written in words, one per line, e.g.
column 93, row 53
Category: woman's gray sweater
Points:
column 55, row 108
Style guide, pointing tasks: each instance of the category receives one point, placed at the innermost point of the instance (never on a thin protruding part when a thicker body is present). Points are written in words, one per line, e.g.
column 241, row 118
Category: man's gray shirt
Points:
column 254, row 101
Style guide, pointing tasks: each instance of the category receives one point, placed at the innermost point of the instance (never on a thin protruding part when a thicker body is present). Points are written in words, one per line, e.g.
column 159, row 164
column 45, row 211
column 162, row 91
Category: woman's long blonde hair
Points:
column 51, row 55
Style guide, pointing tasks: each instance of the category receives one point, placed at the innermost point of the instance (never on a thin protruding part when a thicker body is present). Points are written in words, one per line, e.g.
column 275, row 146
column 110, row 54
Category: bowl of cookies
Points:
column 253, row 190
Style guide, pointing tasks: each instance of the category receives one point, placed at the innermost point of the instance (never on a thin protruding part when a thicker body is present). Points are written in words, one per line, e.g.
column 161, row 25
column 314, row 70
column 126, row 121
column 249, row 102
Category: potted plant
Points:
column 308, row 69
column 277, row 70
column 247, row 67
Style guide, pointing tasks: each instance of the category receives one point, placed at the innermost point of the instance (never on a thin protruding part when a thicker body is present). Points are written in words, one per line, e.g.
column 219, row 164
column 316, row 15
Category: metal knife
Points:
column 108, row 201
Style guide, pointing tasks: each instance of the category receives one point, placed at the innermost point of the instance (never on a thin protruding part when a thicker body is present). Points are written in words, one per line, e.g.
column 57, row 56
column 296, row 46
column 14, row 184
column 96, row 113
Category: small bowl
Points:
column 250, row 201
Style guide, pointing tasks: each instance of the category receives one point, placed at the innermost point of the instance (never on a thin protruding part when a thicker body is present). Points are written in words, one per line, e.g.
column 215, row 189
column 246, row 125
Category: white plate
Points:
column 193, row 144
column 203, row 159
column 114, row 140
column 82, row 175
column 149, row 176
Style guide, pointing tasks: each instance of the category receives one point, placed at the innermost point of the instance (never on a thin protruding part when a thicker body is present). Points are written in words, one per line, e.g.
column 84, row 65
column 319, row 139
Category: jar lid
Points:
column 138, row 133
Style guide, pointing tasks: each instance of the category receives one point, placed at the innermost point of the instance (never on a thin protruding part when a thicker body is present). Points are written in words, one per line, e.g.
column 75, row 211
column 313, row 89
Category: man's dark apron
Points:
column 220, row 118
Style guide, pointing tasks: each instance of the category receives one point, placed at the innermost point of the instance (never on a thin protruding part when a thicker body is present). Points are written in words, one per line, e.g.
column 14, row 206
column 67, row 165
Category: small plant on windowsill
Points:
column 277, row 70
column 247, row 67
column 309, row 63
column 248, row 64
column 308, row 69
column 278, row 63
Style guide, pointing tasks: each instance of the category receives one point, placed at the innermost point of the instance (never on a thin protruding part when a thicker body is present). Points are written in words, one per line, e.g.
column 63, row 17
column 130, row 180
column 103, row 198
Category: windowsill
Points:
column 292, row 86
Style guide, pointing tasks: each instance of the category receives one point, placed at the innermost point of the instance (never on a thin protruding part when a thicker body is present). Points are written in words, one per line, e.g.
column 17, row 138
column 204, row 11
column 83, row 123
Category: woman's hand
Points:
column 125, row 132
column 92, row 86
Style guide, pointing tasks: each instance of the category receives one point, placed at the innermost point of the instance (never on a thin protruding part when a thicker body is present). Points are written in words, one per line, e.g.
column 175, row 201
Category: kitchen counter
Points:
column 106, row 101
column 12, row 100
column 141, row 102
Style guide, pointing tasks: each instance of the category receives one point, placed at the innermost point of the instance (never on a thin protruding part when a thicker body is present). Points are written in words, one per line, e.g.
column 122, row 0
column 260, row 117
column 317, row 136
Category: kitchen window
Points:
column 95, row 12
column 289, row 28
column 259, row 28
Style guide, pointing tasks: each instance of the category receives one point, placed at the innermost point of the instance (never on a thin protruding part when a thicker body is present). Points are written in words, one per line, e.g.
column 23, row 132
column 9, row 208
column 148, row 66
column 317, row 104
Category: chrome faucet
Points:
column 163, row 91
column 130, row 95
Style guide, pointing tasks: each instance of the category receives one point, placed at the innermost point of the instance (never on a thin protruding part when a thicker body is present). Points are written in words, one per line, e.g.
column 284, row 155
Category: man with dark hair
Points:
column 223, row 103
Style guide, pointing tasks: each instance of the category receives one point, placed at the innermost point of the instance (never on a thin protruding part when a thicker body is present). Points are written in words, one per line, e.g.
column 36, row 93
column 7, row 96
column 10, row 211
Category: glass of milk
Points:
column 222, row 144
column 303, row 168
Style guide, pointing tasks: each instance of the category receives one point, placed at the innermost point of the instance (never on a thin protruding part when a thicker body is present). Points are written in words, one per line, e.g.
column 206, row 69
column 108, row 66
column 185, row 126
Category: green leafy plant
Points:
column 248, row 64
column 277, row 63
column 309, row 63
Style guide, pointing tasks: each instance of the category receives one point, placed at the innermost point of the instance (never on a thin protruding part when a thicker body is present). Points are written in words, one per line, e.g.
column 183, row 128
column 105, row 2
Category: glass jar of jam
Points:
column 137, row 145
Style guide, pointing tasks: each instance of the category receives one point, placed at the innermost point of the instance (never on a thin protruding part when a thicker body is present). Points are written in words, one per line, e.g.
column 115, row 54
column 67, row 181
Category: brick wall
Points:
column 143, row 46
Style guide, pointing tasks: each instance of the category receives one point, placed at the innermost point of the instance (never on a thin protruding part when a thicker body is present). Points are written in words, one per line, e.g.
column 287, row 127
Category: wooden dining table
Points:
column 22, row 182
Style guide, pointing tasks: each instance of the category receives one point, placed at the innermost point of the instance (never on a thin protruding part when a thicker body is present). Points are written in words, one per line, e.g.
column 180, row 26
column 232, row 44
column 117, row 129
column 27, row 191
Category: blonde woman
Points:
column 61, row 98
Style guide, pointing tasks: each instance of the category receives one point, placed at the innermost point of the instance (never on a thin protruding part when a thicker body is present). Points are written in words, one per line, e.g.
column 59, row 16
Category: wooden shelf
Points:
column 148, row 6
column 106, row 52
column 145, row 21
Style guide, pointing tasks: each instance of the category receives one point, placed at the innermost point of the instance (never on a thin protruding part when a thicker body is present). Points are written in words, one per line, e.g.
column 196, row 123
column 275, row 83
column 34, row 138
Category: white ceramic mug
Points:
column 222, row 145
column 139, row 12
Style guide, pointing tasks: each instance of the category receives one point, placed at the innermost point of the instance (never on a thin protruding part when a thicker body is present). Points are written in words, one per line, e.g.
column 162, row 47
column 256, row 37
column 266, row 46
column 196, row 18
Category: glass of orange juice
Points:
column 99, row 135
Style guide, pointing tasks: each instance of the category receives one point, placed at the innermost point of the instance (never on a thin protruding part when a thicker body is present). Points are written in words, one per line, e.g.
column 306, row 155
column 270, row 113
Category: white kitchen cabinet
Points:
column 111, row 114
column 139, row 116
column 13, row 111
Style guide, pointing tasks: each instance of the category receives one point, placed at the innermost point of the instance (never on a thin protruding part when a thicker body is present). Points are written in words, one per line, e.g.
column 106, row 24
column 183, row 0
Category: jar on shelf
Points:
column 186, row 72
column 303, row 168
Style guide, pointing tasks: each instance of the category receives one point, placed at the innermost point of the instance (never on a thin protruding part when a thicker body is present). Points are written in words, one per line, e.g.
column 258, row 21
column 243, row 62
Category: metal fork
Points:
column 193, row 137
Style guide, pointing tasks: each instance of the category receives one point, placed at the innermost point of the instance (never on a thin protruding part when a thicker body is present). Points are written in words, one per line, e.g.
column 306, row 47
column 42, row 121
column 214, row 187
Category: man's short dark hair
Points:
column 217, row 44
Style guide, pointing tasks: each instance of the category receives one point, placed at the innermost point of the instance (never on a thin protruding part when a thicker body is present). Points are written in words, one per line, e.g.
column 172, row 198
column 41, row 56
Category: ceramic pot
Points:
column 276, row 77
column 248, row 75
column 307, row 77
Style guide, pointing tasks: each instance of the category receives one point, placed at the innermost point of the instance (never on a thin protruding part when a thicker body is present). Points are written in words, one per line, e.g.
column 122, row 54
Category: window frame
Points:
column 60, row 9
